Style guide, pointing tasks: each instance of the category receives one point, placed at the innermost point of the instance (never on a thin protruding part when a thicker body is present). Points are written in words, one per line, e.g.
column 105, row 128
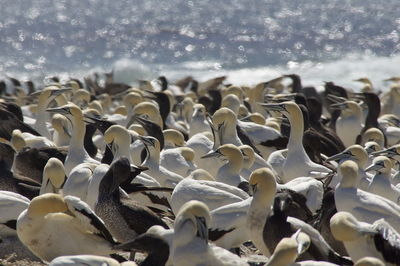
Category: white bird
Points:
column 53, row 226
column 61, row 134
column 31, row 140
column 260, row 135
column 260, row 206
column 359, row 155
column 11, row 206
column 389, row 123
column 53, row 176
column 198, row 122
column 296, row 163
column 85, row 260
column 78, row 180
column 164, row 176
column 178, row 160
column 349, row 124
column 311, row 188
column 76, row 152
column 369, row 261
column 202, row 144
column 190, row 242
column 46, row 96
column 380, row 183
column 199, row 185
column 362, row 239
column 225, row 122
column 175, row 156
column 365, row 206
column 228, row 228
column 229, row 173
column 288, row 250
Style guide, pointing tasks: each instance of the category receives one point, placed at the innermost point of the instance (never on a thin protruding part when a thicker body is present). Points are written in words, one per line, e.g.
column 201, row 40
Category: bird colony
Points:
column 95, row 172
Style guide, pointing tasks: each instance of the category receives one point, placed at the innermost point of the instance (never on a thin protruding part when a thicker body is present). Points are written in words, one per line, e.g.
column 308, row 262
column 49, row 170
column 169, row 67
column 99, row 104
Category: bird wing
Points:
column 88, row 220
column 387, row 241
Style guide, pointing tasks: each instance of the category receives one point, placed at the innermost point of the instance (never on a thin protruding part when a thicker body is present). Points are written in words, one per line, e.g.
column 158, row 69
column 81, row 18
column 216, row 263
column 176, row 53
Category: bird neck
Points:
column 296, row 130
column 232, row 167
column 229, row 135
column 122, row 150
column 348, row 181
column 78, row 133
column 153, row 156
column 279, row 258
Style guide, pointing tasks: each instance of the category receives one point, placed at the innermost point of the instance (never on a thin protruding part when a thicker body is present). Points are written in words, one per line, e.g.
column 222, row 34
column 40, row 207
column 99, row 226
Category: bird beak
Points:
column 211, row 154
column 246, row 119
column 277, row 107
column 370, row 149
column 58, row 92
column 147, row 141
column 339, row 156
column 339, row 106
column 335, row 98
column 59, row 110
column 202, row 230
column 373, row 167
column 388, row 152
column 34, row 95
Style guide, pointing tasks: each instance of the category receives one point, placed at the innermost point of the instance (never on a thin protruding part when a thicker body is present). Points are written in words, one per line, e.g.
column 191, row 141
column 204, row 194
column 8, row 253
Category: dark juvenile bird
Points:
column 114, row 205
column 157, row 249
column 279, row 225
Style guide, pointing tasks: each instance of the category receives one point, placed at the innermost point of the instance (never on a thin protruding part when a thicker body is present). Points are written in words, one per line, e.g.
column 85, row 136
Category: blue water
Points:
column 247, row 40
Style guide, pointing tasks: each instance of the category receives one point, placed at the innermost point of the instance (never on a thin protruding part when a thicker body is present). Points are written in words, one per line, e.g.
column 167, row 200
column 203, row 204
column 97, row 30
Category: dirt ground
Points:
column 13, row 252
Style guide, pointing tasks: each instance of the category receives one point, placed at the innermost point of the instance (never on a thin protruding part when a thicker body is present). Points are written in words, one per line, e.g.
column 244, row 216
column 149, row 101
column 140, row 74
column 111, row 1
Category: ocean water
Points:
column 249, row 41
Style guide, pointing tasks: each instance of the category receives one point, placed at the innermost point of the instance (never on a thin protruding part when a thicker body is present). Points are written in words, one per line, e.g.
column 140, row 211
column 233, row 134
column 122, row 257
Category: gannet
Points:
column 178, row 160
column 365, row 206
column 10, row 121
column 198, row 122
column 261, row 135
column 190, row 241
column 155, row 246
column 290, row 248
column 390, row 127
column 175, row 156
column 11, row 206
column 281, row 223
column 373, row 134
column 225, row 123
column 361, row 239
column 32, row 141
column 248, row 161
column 359, row 155
column 53, row 176
column 112, row 205
column 203, row 143
column 229, row 224
column 296, row 163
column 61, row 134
column 84, row 260
column 260, row 206
column 173, row 139
column 43, row 228
column 117, row 136
column 78, row 180
column 229, row 173
column 46, row 95
column 166, row 177
column 381, row 182
column 369, row 261
column 76, row 153
column 200, row 185
column 349, row 124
